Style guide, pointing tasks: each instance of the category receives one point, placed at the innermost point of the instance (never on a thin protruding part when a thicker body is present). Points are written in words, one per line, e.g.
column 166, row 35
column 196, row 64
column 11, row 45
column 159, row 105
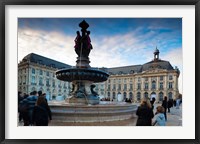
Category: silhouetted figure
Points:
column 165, row 105
column 152, row 102
column 144, row 113
column 83, row 43
column 27, row 106
column 41, row 112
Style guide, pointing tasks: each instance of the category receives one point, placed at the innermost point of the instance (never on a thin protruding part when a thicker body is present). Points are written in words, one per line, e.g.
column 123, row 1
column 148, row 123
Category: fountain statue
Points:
column 83, row 104
column 83, row 76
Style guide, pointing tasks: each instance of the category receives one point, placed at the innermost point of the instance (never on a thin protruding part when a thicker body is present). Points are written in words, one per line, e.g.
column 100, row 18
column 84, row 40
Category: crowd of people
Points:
column 146, row 115
column 33, row 109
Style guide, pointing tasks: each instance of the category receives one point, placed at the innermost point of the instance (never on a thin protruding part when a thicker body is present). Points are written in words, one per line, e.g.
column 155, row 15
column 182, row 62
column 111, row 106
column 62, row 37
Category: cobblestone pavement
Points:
column 174, row 118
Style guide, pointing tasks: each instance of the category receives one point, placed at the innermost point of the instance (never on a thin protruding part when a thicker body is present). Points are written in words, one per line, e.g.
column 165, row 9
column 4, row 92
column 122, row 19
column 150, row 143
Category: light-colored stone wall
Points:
column 134, row 79
column 26, row 84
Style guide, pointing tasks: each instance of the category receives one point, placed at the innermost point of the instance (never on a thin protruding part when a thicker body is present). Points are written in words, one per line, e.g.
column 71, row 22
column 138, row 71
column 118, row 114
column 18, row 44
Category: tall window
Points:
column 161, row 78
column 119, row 86
column 109, row 87
column 47, row 73
column 124, row 95
column 33, row 80
column 41, row 72
column 139, row 86
column 24, row 80
column 108, row 94
column 146, row 95
column 170, row 77
column 33, row 71
column 124, row 80
column 146, row 86
column 146, row 78
column 161, row 86
column 131, row 95
column 153, row 85
column 139, row 79
column 47, row 82
column 160, row 96
column 125, row 87
column 40, row 81
column 113, row 95
column 138, row 96
column 131, row 86
column 170, row 95
column 170, row 85
column 114, row 87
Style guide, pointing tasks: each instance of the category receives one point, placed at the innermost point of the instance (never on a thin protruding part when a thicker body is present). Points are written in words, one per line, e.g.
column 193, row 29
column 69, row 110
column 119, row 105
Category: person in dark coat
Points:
column 144, row 113
column 41, row 112
column 165, row 105
column 169, row 104
column 27, row 106
column 20, row 98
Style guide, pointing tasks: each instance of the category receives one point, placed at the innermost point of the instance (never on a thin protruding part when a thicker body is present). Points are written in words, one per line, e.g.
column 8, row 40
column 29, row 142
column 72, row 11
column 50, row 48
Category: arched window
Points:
column 146, row 94
column 124, row 95
column 170, row 95
column 131, row 95
column 160, row 96
column 138, row 97
column 109, row 94
column 113, row 95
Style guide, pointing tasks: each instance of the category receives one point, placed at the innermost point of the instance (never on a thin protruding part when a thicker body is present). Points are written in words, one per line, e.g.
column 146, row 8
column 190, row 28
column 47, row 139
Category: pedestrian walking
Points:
column 169, row 104
column 165, row 105
column 27, row 106
column 159, row 116
column 144, row 113
column 41, row 112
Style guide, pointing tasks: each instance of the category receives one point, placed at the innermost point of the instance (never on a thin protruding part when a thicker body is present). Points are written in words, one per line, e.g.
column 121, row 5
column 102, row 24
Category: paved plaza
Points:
column 174, row 118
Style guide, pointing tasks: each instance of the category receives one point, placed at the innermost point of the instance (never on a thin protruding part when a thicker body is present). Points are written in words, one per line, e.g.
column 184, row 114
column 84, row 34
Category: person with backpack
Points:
column 26, row 108
column 41, row 112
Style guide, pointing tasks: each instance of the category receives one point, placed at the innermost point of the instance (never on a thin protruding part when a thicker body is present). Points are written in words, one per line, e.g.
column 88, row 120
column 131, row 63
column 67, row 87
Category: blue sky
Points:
column 116, row 41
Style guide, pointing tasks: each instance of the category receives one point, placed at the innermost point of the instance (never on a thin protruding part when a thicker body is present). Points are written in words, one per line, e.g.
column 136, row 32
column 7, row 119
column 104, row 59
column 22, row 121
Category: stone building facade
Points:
column 156, row 78
column 36, row 72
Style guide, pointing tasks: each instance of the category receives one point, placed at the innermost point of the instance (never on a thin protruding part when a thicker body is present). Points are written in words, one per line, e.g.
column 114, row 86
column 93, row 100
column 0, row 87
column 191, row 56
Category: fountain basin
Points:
column 105, row 111
column 77, row 74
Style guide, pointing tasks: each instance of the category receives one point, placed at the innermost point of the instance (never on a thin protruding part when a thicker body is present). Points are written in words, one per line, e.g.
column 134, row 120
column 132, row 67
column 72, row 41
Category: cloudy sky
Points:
column 116, row 41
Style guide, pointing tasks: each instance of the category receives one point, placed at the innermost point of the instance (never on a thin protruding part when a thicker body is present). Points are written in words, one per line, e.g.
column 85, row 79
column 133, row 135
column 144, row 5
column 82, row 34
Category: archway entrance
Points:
column 153, row 94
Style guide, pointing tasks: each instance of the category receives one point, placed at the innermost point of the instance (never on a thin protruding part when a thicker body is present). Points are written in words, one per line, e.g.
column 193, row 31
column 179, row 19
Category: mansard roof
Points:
column 125, row 70
column 35, row 58
column 157, row 64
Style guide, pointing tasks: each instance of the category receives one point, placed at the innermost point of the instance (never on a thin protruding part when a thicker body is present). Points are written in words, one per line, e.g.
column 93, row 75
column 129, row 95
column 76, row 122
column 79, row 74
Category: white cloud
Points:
column 175, row 58
column 53, row 45
column 108, row 51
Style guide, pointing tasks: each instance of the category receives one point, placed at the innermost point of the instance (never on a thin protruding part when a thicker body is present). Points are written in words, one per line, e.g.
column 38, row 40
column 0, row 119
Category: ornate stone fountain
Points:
column 83, row 76
column 84, row 104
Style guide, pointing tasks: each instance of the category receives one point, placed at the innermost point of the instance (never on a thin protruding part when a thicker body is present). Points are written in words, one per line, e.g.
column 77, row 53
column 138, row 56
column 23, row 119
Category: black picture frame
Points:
column 3, row 4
